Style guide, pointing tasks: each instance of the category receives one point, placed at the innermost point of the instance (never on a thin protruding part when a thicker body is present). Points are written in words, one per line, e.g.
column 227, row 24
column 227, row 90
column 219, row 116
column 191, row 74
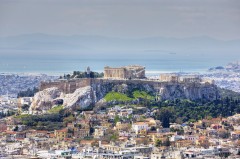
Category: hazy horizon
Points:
column 173, row 34
column 219, row 19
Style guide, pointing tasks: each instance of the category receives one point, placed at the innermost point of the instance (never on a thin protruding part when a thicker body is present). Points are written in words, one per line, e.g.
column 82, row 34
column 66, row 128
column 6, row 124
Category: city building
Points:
column 61, row 134
column 138, row 126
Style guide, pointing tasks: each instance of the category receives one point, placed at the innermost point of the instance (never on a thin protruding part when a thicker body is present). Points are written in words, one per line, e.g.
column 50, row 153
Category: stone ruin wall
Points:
column 69, row 86
column 124, row 72
column 45, row 85
column 66, row 86
column 114, row 72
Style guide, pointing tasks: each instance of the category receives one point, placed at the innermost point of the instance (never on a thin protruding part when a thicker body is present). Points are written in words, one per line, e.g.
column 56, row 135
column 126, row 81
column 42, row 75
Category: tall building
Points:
column 88, row 70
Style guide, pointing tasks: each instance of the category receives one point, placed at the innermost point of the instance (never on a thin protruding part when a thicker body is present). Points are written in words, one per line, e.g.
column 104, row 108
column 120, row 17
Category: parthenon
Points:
column 125, row 72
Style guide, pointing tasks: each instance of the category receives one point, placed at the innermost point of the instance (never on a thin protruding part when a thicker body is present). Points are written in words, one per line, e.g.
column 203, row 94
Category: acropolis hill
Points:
column 89, row 91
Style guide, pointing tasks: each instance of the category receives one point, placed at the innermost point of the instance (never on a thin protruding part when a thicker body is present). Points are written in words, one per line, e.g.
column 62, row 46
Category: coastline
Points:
column 153, row 72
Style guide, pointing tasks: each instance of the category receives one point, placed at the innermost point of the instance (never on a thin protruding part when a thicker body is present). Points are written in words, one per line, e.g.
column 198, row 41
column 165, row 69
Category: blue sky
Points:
column 219, row 19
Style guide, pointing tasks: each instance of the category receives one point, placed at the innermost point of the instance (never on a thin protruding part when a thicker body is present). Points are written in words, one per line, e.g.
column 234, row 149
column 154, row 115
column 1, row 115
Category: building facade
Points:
column 172, row 77
column 169, row 77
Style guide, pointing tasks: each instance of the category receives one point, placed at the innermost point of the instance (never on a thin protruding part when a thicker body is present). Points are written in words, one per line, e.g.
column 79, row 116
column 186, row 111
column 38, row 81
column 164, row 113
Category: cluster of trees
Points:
column 190, row 111
column 28, row 93
column 6, row 114
column 79, row 74
column 48, row 122
column 159, row 142
column 32, row 120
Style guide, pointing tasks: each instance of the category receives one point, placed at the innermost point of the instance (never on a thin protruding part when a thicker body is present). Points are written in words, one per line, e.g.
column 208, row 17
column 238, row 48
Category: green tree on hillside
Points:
column 166, row 115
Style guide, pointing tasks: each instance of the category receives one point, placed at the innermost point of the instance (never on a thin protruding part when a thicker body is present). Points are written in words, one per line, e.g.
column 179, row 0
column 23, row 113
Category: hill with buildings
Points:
column 227, row 77
column 230, row 67
column 120, row 86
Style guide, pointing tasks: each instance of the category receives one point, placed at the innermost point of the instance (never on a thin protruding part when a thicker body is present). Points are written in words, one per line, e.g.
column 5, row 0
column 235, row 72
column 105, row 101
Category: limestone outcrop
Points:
column 191, row 91
column 81, row 97
column 45, row 99
column 42, row 100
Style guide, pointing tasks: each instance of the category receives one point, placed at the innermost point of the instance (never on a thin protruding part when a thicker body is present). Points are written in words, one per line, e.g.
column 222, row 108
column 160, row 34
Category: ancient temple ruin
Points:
column 125, row 72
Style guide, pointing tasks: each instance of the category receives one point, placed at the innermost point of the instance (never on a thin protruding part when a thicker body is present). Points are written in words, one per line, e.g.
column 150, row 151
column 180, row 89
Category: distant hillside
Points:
column 101, row 44
column 232, row 67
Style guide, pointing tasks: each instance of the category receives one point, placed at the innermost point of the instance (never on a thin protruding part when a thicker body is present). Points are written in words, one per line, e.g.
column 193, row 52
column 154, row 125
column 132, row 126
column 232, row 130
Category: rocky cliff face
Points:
column 44, row 100
column 81, row 97
column 191, row 91
column 94, row 91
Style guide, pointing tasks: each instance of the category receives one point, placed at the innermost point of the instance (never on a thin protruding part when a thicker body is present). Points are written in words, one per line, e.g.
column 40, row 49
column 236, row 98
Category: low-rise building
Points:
column 99, row 131
column 235, row 135
column 61, row 134
column 139, row 126
column 81, row 133
column 192, row 138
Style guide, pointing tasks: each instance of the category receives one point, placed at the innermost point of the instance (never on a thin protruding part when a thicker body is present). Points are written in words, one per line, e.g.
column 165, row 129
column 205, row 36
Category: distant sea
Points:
column 60, row 65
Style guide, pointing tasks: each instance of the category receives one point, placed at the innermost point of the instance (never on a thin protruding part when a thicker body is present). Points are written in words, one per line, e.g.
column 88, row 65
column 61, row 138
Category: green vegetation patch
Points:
column 142, row 94
column 111, row 96
column 23, row 116
column 56, row 109
column 28, row 93
column 48, row 122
